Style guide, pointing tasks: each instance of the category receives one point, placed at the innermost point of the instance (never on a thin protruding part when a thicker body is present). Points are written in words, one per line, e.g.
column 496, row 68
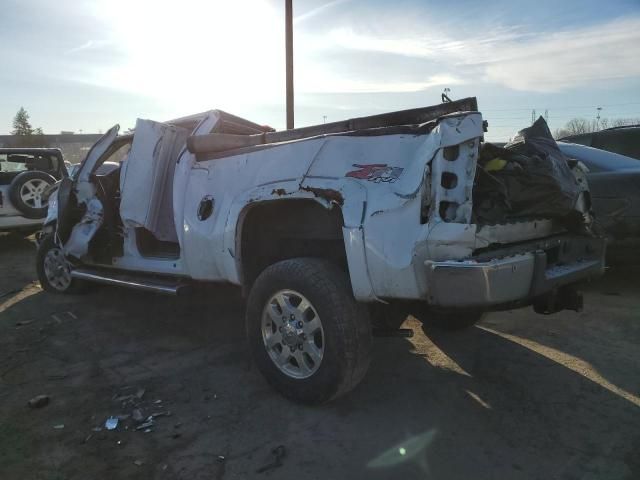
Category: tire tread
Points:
column 354, row 335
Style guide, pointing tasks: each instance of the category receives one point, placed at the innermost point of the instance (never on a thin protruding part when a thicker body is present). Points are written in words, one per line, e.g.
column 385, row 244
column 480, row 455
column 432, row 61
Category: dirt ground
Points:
column 518, row 396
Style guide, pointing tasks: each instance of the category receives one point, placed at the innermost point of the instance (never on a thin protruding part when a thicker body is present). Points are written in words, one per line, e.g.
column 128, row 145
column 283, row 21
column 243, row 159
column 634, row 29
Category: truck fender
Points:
column 343, row 193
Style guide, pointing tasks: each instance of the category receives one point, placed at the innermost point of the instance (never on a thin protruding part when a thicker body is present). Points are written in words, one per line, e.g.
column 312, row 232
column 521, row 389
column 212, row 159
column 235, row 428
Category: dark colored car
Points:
column 614, row 181
column 25, row 176
column 622, row 140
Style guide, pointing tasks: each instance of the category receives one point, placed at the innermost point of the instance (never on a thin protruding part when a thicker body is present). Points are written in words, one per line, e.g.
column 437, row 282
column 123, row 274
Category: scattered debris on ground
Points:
column 111, row 423
column 39, row 401
column 130, row 398
column 24, row 323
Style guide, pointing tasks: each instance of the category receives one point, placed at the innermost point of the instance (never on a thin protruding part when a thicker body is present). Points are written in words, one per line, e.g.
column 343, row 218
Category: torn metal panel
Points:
column 515, row 232
column 84, row 188
column 397, row 241
column 52, row 209
column 449, row 133
column 184, row 165
column 533, row 179
column 328, row 194
column 78, row 244
column 146, row 179
column 451, row 241
column 452, row 176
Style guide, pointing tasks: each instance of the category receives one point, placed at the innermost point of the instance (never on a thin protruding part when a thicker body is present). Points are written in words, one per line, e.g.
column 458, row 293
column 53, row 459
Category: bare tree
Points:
column 623, row 122
column 575, row 126
column 578, row 126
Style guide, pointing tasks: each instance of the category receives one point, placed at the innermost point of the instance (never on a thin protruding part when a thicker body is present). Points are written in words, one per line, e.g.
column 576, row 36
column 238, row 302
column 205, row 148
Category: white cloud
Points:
column 88, row 45
column 404, row 41
column 85, row 46
column 567, row 59
column 316, row 11
column 510, row 56
column 326, row 82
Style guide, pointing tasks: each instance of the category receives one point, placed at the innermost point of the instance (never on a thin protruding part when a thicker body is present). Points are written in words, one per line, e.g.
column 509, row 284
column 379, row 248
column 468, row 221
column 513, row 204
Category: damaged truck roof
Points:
column 230, row 136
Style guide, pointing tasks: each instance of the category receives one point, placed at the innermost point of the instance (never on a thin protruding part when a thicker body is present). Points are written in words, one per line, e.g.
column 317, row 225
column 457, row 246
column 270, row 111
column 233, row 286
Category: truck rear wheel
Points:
column 307, row 334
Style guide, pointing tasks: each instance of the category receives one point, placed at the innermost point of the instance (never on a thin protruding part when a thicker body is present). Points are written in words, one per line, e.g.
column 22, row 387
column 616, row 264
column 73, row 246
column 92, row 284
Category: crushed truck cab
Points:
column 324, row 227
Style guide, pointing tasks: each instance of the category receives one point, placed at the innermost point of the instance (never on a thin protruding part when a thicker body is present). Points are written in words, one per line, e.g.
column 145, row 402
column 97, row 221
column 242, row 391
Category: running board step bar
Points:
column 164, row 286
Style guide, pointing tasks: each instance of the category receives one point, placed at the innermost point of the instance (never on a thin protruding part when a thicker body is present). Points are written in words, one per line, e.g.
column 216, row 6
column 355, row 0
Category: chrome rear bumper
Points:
column 519, row 278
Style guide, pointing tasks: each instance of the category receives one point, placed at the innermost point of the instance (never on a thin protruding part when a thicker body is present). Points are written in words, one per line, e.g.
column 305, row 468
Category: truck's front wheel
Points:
column 54, row 271
column 307, row 334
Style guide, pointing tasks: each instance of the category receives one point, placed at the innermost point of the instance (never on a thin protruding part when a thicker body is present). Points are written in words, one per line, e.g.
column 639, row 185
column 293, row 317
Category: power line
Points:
column 557, row 118
column 565, row 107
column 558, row 114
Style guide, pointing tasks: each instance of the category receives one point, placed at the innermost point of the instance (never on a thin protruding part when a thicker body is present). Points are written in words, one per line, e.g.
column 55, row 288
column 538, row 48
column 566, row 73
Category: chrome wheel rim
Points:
column 292, row 334
column 31, row 193
column 56, row 269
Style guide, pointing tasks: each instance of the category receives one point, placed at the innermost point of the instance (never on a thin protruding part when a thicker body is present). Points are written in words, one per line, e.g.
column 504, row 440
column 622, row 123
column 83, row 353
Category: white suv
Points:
column 25, row 176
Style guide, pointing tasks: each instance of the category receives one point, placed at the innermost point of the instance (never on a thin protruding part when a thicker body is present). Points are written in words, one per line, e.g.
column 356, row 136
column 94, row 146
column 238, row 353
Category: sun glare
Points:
column 197, row 54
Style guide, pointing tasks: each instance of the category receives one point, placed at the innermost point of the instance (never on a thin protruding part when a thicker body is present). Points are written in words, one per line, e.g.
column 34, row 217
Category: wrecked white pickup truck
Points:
column 325, row 227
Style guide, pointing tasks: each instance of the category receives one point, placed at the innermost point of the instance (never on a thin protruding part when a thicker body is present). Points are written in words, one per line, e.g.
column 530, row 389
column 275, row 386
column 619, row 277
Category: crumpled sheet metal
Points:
column 535, row 180
column 78, row 244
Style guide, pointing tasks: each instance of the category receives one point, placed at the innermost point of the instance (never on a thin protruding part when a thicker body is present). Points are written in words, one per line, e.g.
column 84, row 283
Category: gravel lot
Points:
column 518, row 396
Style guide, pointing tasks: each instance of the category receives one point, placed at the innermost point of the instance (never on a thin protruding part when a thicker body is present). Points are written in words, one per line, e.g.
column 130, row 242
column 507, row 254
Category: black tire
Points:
column 448, row 321
column 41, row 179
column 346, row 329
column 75, row 286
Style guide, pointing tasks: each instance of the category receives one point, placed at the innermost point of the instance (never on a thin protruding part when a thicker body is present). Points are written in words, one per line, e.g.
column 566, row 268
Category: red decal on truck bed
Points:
column 376, row 172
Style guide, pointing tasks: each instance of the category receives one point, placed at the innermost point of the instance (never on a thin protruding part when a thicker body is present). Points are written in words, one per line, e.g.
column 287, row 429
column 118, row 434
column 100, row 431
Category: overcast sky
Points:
column 86, row 65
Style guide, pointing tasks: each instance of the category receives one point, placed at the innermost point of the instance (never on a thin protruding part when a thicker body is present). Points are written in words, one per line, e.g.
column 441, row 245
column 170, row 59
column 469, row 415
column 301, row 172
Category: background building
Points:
column 74, row 146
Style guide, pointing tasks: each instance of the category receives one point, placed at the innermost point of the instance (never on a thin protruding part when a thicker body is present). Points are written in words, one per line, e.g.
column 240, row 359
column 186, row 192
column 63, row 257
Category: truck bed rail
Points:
column 218, row 142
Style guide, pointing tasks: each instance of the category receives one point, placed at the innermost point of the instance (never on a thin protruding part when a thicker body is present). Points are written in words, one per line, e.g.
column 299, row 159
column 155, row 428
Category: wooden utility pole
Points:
column 289, row 60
